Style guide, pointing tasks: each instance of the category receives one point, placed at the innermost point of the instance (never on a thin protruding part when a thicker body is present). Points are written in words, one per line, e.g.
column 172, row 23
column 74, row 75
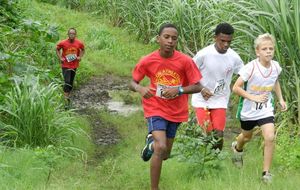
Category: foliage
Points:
column 25, row 45
column 32, row 116
column 287, row 143
column 194, row 146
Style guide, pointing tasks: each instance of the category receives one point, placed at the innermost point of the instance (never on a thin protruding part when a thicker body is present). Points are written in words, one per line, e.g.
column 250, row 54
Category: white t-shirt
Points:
column 258, row 80
column 217, row 70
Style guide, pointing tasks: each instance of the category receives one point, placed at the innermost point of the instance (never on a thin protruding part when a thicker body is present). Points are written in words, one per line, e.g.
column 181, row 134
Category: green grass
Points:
column 121, row 167
column 108, row 50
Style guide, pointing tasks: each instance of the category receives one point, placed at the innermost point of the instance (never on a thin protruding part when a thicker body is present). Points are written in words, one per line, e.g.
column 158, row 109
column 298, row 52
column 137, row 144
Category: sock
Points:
column 264, row 173
column 238, row 149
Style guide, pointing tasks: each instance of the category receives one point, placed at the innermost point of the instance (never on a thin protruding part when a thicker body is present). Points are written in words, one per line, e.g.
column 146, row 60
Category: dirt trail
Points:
column 95, row 95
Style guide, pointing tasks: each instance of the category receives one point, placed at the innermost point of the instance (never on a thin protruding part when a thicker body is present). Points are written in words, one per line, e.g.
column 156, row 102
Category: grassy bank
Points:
column 114, row 51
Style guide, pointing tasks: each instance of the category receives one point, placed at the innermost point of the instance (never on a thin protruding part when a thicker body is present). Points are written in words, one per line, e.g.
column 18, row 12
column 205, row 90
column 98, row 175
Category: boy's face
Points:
column 265, row 51
column 71, row 34
column 168, row 40
column 222, row 42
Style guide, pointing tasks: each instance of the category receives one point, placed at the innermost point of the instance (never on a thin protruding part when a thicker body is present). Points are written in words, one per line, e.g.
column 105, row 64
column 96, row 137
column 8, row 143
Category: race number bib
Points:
column 219, row 87
column 256, row 106
column 160, row 88
column 71, row 57
column 259, row 106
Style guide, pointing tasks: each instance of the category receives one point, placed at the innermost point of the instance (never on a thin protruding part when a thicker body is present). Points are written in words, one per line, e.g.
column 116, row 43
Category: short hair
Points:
column 166, row 25
column 263, row 37
column 224, row 28
column 72, row 29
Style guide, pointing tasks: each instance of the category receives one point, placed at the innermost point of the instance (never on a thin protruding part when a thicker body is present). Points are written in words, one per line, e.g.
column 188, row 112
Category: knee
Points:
column 160, row 148
column 269, row 138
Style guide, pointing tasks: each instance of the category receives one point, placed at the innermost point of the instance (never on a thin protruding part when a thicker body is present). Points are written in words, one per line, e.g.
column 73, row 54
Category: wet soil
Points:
column 93, row 96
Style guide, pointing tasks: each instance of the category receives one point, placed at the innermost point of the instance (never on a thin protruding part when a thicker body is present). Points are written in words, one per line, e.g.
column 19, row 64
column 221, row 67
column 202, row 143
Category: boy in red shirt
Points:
column 70, row 56
column 173, row 75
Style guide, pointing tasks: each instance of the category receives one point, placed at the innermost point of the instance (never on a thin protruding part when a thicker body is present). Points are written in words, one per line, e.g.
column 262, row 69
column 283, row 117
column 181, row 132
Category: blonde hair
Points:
column 263, row 37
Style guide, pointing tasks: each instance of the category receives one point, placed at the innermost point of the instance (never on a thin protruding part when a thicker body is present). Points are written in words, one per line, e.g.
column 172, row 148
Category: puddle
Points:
column 121, row 108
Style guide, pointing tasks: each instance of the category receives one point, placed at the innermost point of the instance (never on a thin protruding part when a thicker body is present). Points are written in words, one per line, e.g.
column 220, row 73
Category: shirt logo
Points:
column 167, row 77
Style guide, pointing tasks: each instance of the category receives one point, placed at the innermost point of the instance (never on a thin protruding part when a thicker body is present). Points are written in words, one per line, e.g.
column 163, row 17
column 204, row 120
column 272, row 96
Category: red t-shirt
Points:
column 178, row 70
column 70, row 52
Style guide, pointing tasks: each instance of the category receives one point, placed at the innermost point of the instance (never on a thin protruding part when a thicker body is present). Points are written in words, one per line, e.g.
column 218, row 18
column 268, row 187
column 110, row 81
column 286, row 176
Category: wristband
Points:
column 180, row 90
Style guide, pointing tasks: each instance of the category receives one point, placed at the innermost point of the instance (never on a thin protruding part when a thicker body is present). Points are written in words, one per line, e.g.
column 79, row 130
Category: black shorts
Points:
column 69, row 75
column 250, row 124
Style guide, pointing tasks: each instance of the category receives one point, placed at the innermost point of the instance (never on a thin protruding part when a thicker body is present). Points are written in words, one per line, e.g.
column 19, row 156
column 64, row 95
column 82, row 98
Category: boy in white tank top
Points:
column 255, row 84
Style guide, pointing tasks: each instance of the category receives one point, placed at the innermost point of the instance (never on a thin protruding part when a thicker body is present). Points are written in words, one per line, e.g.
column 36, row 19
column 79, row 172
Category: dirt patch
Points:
column 95, row 93
column 92, row 96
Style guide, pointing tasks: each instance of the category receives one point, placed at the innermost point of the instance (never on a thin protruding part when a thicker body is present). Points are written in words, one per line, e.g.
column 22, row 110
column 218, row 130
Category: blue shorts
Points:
column 157, row 123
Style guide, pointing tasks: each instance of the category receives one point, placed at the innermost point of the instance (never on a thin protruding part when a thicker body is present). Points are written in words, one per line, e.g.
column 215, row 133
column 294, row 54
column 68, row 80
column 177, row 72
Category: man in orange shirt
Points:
column 69, row 52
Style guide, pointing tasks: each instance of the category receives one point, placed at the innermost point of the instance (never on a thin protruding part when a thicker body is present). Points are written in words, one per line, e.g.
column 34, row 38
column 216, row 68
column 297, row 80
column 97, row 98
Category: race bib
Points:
column 160, row 88
column 219, row 87
column 71, row 57
column 259, row 106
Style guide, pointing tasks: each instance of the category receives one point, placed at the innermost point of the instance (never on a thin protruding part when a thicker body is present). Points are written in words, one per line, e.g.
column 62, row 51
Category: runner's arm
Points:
column 278, row 93
column 81, row 53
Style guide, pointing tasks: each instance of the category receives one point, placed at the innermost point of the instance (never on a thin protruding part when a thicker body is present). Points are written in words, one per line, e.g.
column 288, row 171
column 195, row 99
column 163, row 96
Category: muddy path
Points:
column 95, row 95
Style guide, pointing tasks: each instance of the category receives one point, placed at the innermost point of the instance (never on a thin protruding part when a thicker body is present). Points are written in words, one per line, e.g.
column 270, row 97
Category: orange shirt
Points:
column 178, row 70
column 69, row 52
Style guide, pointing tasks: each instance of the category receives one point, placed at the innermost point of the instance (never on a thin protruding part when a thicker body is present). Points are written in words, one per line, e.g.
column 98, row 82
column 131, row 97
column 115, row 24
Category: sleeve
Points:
column 81, row 45
column 139, row 71
column 59, row 46
column 198, row 59
column 192, row 72
column 238, row 65
column 278, row 68
column 246, row 71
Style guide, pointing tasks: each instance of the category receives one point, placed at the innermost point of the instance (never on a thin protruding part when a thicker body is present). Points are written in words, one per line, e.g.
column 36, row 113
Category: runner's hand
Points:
column 62, row 59
column 283, row 105
column 260, row 98
column 206, row 94
column 146, row 92
column 170, row 93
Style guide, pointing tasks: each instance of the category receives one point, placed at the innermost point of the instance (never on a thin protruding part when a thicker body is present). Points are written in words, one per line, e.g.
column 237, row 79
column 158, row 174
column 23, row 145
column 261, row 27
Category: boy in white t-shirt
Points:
column 255, row 84
column 217, row 63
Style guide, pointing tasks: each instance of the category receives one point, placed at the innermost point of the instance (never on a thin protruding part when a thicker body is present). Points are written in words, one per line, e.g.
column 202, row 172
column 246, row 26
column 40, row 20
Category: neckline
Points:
column 258, row 66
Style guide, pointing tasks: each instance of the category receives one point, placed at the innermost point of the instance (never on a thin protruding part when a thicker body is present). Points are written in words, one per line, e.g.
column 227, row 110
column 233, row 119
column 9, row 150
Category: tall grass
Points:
column 281, row 18
column 32, row 116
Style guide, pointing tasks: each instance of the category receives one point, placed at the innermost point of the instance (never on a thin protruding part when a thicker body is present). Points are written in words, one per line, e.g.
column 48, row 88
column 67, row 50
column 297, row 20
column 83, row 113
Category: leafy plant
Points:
column 32, row 116
column 195, row 147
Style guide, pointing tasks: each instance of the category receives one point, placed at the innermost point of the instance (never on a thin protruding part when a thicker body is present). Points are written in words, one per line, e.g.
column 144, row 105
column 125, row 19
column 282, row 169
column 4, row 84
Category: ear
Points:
column 215, row 37
column 256, row 52
column 157, row 38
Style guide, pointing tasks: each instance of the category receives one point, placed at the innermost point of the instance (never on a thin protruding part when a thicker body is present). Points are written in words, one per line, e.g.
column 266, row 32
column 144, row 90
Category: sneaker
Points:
column 147, row 150
column 237, row 158
column 267, row 177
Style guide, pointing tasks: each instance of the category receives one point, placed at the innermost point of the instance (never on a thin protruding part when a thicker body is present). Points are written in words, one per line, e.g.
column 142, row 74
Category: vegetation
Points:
column 45, row 147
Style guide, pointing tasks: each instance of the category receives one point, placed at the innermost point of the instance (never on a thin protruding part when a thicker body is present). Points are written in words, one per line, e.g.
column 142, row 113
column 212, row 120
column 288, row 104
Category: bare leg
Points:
column 169, row 147
column 160, row 152
column 243, row 138
column 268, row 132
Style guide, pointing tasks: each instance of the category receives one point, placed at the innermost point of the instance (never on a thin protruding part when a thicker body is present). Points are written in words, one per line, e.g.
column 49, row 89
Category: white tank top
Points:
column 258, row 80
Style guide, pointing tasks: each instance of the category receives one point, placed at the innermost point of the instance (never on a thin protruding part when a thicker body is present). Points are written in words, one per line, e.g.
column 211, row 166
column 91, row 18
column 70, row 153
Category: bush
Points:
column 32, row 115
